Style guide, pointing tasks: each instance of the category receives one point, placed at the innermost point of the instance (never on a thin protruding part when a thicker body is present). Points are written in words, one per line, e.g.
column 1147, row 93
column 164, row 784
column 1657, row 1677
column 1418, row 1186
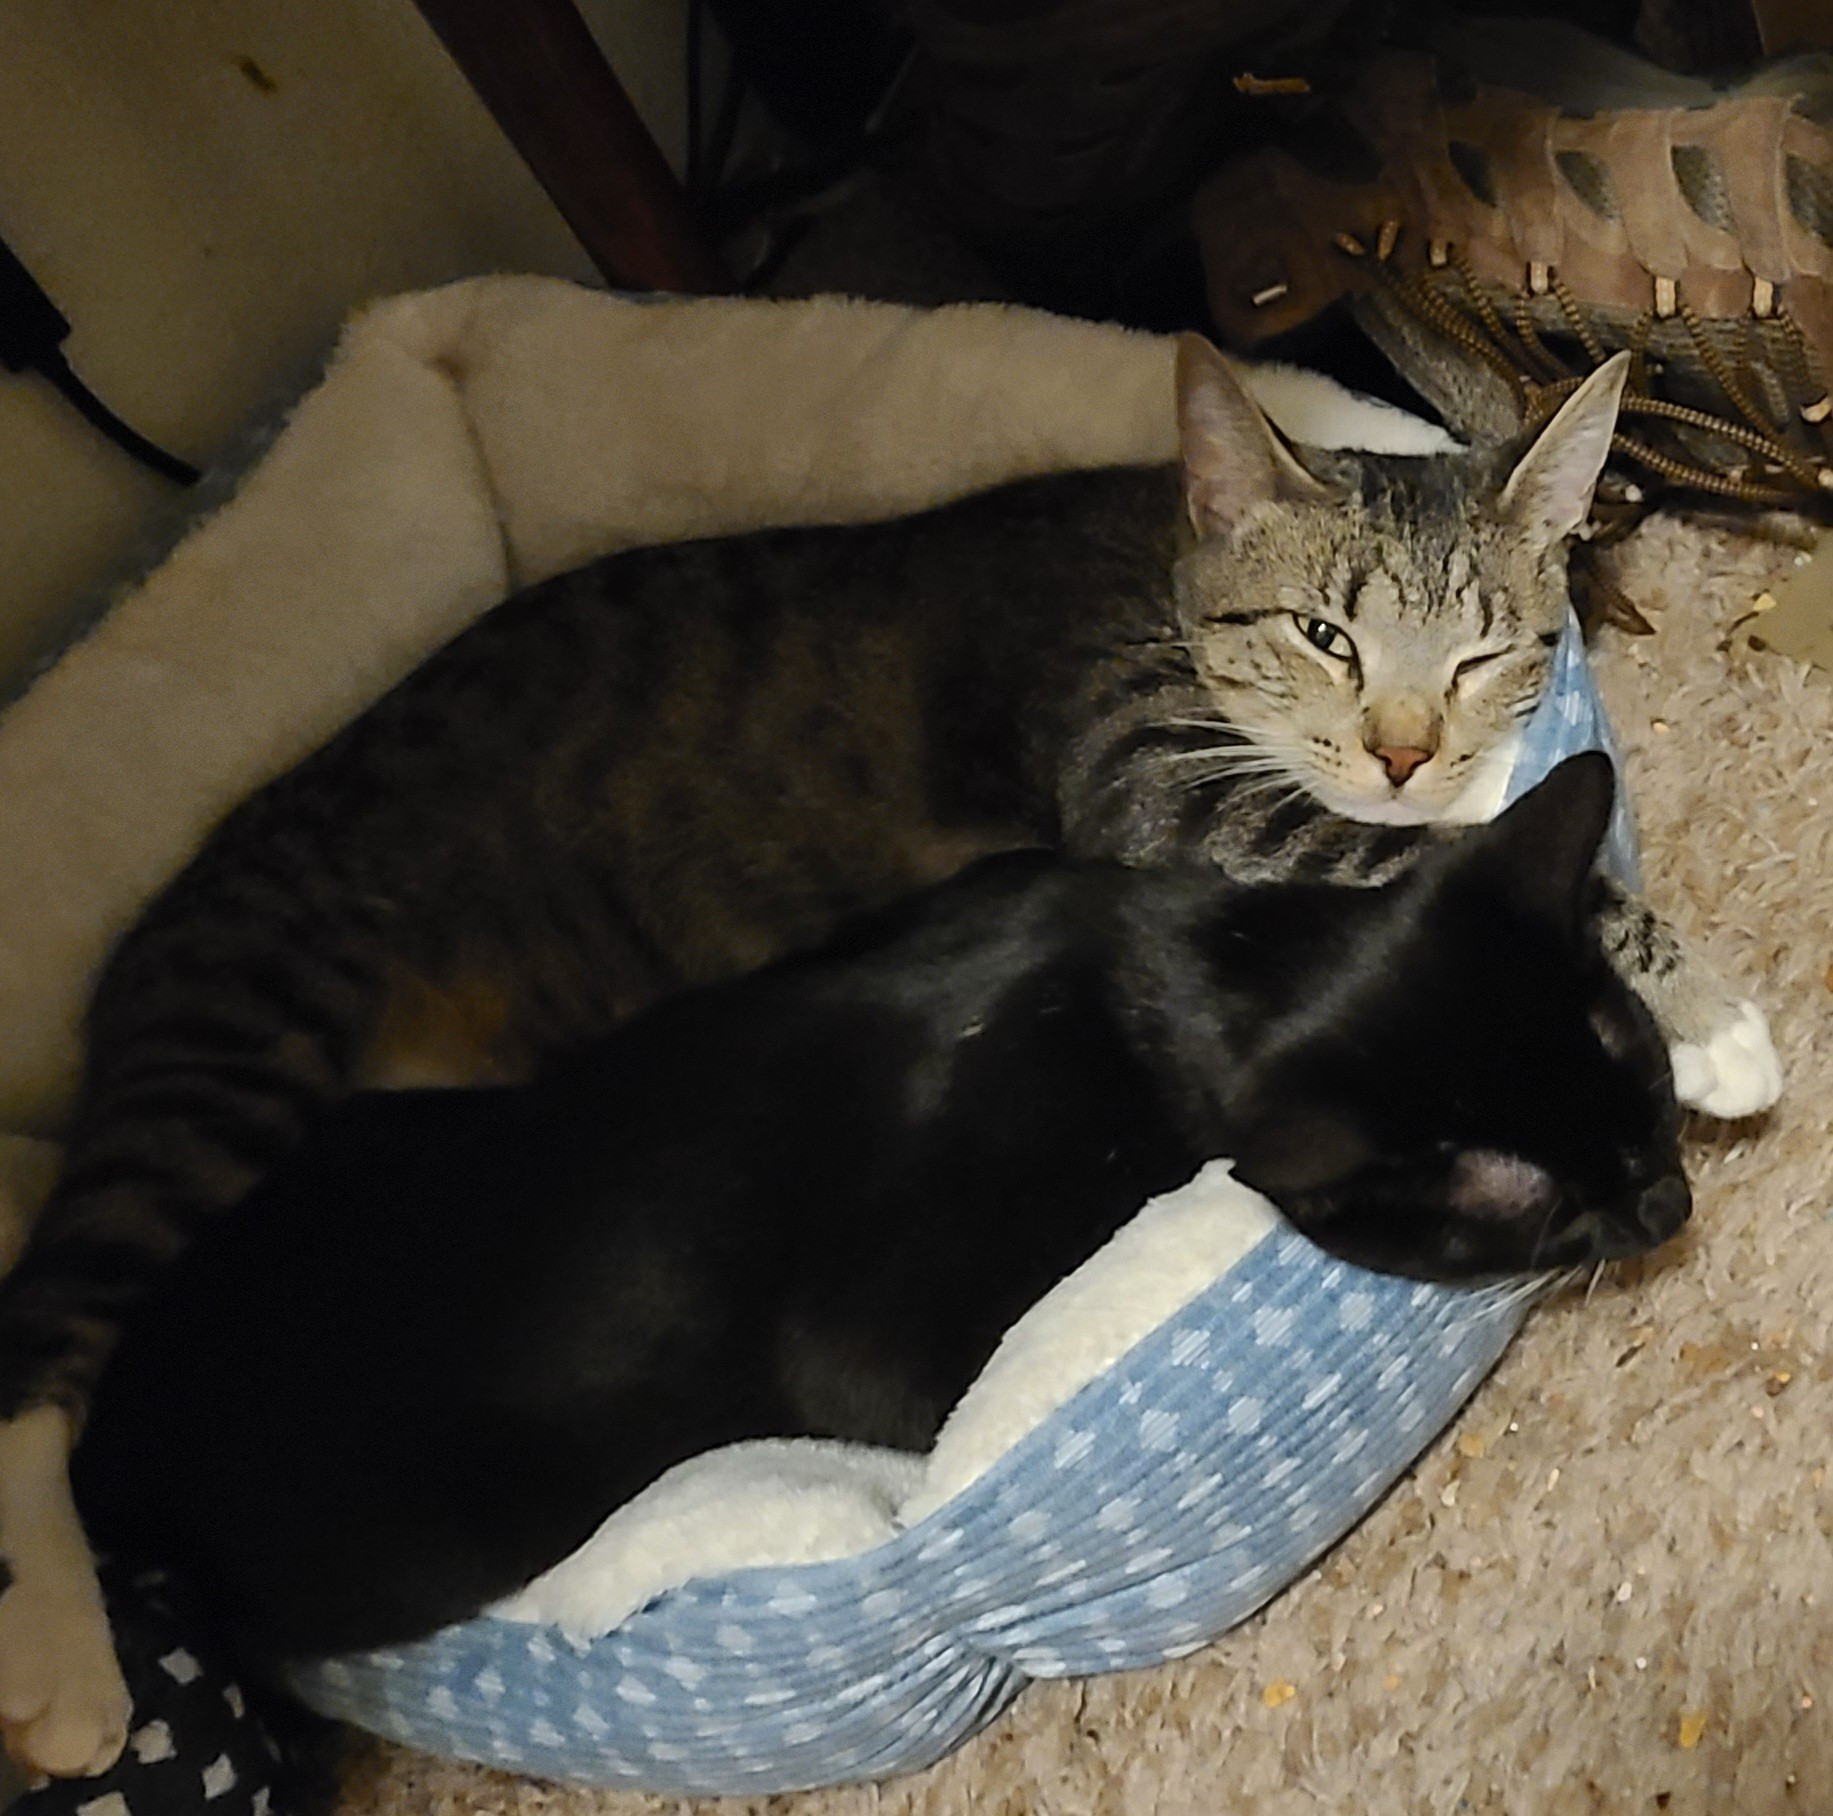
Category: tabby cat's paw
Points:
column 64, row 1709
column 1734, row 1071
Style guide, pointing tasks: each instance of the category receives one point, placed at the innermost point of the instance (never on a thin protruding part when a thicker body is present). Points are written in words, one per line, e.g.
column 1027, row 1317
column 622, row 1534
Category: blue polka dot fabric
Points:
column 1571, row 718
column 1164, row 1502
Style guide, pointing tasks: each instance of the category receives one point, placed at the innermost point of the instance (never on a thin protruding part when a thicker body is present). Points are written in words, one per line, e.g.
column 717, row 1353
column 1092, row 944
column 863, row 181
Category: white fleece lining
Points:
column 1176, row 1246
column 798, row 1501
column 771, row 1501
column 1320, row 413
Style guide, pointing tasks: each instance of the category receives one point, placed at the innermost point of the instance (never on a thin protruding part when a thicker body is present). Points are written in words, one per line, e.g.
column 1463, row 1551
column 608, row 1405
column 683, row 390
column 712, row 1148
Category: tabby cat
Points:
column 676, row 764
column 446, row 1338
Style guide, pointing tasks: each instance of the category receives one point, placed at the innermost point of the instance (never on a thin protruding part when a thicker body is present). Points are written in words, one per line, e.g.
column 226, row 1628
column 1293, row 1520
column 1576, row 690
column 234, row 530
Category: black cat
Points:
column 460, row 1327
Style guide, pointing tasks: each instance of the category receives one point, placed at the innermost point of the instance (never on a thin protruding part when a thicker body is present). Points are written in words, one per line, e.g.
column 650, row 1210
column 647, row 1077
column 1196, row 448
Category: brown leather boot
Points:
column 1499, row 238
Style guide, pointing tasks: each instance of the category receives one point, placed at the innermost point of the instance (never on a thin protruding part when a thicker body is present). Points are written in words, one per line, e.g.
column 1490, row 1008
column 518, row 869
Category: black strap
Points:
column 32, row 333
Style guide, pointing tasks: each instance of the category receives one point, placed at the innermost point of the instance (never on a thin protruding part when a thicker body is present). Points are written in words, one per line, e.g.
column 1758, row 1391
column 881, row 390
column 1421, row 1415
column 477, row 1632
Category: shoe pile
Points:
column 1500, row 236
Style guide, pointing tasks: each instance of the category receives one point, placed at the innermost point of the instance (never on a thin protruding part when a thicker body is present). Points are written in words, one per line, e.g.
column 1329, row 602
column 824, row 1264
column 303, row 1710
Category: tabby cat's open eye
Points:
column 1321, row 634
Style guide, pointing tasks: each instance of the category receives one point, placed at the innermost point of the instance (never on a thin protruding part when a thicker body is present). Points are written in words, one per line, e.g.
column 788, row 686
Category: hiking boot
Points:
column 1506, row 207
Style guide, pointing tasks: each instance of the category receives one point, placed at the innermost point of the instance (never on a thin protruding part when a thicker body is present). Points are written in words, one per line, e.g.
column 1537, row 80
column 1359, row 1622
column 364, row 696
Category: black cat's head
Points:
column 1480, row 1094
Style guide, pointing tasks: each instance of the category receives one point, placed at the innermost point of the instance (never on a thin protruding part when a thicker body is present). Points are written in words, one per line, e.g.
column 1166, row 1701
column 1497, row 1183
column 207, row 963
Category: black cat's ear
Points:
column 1234, row 459
column 1299, row 1150
column 1545, row 844
column 1548, row 495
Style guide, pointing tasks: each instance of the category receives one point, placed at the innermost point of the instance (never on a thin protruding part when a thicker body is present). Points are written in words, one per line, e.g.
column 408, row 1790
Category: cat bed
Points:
column 1157, row 1448
column 1117, row 1489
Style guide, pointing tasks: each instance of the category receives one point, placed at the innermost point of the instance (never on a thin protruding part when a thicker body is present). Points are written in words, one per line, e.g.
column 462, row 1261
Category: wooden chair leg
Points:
column 538, row 69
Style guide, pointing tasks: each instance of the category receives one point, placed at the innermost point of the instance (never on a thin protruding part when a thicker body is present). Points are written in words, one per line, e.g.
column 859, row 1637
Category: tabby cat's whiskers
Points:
column 1277, row 766
column 1206, row 723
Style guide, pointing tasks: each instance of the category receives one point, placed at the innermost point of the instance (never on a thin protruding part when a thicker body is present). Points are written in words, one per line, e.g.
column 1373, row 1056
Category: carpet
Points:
column 1609, row 1588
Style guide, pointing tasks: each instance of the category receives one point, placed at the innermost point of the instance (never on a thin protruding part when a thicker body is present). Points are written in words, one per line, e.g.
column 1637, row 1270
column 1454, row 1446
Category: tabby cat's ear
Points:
column 1548, row 495
column 1234, row 458
column 1545, row 844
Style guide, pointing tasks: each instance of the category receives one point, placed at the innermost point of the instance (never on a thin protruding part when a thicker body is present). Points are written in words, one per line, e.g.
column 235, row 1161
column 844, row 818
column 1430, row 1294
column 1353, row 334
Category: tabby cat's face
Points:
column 1378, row 628
column 1383, row 653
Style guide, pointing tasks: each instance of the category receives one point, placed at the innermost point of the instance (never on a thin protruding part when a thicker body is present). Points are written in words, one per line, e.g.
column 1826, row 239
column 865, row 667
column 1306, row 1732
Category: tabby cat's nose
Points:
column 1400, row 760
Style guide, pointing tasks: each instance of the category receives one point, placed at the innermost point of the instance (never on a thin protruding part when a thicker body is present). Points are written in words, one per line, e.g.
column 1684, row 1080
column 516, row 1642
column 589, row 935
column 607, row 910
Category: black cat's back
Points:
column 458, row 1328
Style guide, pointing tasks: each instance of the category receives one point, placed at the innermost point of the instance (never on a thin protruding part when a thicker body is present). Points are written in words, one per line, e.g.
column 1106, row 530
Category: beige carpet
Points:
column 1610, row 1587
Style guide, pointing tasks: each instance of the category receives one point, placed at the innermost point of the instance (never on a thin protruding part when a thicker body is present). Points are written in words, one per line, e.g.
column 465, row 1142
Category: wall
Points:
column 206, row 190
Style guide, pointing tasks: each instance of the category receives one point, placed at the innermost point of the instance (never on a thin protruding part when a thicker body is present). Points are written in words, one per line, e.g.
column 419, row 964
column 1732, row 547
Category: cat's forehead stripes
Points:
column 1383, row 589
column 1464, row 588
column 1379, row 592
column 1400, row 582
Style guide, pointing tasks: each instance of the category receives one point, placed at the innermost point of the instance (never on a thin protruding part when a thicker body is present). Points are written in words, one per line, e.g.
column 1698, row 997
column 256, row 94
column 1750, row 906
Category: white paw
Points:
column 64, row 1709
column 1734, row 1071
